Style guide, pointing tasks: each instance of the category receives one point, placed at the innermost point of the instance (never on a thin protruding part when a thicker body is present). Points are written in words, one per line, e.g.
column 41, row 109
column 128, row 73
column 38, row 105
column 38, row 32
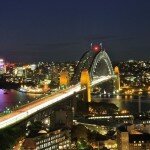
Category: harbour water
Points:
column 14, row 98
column 133, row 105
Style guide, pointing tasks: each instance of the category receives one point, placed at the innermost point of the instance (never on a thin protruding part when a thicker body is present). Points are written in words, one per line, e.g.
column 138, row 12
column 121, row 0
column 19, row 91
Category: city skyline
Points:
column 52, row 31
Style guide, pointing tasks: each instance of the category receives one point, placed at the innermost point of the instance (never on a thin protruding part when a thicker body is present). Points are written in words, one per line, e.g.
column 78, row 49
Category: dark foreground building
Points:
column 129, row 138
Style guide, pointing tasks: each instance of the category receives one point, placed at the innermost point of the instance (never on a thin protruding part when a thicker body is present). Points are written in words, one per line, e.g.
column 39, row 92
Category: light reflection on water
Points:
column 128, row 103
column 13, row 98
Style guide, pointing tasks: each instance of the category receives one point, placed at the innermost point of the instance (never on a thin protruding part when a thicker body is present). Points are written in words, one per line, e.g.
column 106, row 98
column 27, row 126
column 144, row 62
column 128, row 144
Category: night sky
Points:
column 46, row 30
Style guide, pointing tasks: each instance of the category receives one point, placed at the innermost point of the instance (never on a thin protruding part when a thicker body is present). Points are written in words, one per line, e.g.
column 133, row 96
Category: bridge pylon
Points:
column 117, row 79
column 64, row 79
column 85, row 81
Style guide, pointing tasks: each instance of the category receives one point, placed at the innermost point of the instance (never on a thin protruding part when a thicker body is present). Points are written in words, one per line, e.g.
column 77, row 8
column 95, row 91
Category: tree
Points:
column 9, row 137
column 34, row 128
column 82, row 144
column 95, row 136
column 79, row 131
column 103, row 107
column 110, row 133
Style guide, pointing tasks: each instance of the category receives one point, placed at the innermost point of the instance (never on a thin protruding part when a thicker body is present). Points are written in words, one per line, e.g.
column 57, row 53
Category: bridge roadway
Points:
column 35, row 106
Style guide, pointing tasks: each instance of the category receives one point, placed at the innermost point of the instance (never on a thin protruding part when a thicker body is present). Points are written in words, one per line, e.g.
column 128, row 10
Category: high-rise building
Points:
column 2, row 67
column 123, row 139
column 19, row 71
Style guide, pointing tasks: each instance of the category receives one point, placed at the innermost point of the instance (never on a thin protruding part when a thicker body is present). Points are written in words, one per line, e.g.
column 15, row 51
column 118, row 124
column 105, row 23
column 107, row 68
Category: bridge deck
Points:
column 35, row 106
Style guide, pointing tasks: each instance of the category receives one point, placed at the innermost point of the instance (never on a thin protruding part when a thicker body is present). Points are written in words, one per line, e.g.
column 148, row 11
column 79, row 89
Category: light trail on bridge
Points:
column 35, row 106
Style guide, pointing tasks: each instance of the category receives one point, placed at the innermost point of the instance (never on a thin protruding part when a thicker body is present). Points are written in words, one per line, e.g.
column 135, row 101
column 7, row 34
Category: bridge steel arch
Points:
column 101, row 65
column 84, row 63
column 98, row 64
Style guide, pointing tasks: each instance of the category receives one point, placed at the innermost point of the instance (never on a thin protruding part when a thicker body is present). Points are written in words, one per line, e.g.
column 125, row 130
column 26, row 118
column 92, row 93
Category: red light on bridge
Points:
column 96, row 47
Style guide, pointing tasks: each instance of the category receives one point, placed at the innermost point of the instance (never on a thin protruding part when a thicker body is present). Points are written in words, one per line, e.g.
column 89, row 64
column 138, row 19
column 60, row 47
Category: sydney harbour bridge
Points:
column 93, row 69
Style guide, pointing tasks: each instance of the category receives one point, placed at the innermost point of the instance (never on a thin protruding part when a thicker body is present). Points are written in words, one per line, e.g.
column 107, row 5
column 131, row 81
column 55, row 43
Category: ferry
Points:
column 34, row 90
